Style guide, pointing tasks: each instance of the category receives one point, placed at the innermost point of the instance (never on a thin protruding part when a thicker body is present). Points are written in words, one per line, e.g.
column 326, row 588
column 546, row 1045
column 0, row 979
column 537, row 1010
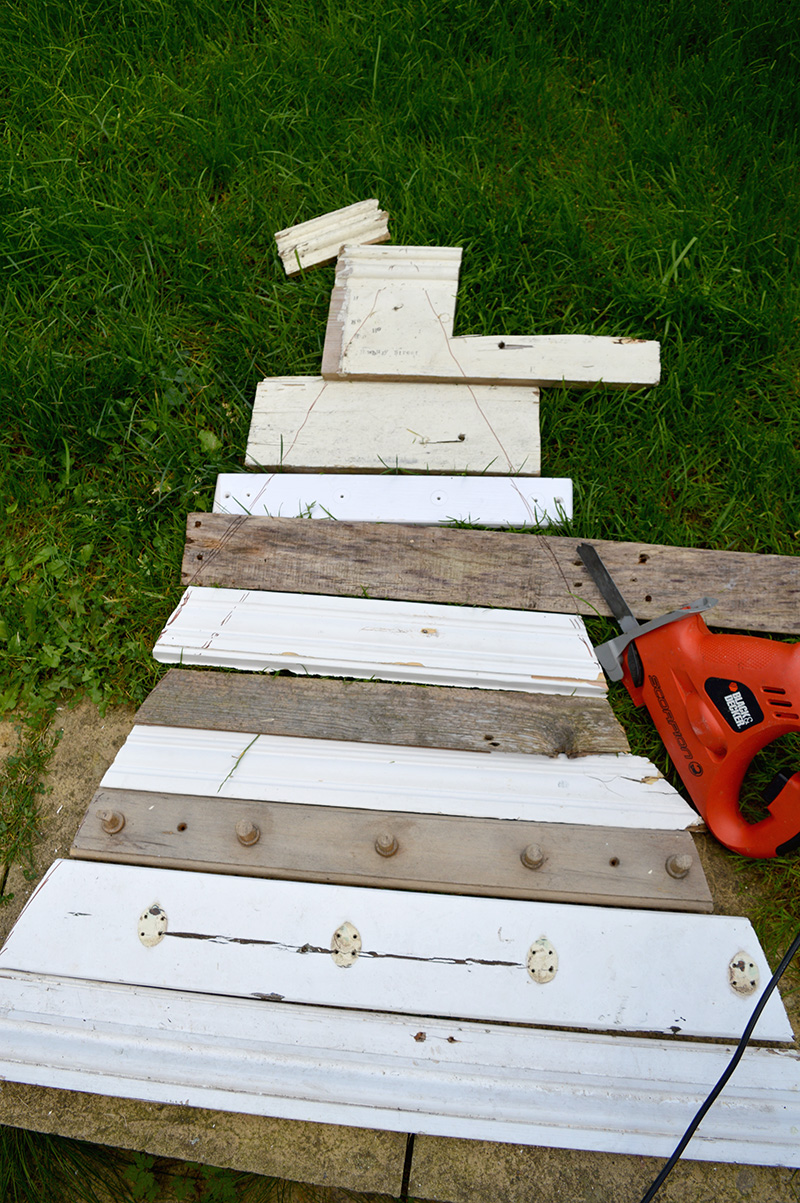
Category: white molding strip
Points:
column 605, row 791
column 508, row 960
column 305, row 422
column 428, row 644
column 319, row 240
column 386, row 322
column 479, row 500
column 612, row 1094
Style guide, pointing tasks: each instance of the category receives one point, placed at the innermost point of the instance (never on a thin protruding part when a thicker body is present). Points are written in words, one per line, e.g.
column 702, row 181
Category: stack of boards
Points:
column 418, row 881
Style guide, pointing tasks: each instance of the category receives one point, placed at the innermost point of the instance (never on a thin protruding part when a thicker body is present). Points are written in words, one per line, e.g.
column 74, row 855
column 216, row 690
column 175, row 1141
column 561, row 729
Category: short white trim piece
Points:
column 319, row 240
column 606, row 791
column 569, row 1090
column 305, row 422
column 425, row 643
column 601, row 968
column 479, row 500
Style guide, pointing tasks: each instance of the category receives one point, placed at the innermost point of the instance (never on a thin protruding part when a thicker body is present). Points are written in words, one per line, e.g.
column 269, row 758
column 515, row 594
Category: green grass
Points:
column 608, row 168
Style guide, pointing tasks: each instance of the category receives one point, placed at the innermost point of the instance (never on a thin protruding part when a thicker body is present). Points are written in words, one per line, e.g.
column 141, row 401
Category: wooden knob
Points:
column 679, row 866
column 112, row 820
column 386, row 844
column 532, row 857
column 247, row 833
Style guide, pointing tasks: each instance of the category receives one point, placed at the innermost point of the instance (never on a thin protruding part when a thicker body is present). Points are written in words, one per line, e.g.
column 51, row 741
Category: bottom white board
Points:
column 479, row 500
column 496, row 959
column 561, row 1089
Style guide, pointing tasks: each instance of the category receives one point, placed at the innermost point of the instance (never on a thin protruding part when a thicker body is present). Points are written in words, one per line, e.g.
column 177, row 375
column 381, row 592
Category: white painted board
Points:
column 408, row 952
column 386, row 322
column 479, row 500
column 610, row 791
column 310, row 243
column 307, row 423
column 614, row 1094
column 426, row 643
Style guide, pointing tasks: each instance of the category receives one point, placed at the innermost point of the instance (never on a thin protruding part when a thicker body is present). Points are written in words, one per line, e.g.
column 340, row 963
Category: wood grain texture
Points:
column 373, row 712
column 488, row 568
column 602, row 866
column 305, row 423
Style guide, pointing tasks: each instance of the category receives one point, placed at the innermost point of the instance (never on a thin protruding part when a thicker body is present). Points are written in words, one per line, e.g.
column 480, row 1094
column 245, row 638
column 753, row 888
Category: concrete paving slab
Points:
column 467, row 1171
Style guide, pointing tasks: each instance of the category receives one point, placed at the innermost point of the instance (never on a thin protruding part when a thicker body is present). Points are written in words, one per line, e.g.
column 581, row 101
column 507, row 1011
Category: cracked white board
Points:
column 390, row 640
column 383, row 950
column 612, row 791
column 307, row 423
column 387, row 321
column 318, row 241
column 571, row 1090
column 478, row 500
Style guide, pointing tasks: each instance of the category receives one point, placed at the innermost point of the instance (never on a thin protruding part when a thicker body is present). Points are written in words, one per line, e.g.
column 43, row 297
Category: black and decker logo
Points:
column 735, row 702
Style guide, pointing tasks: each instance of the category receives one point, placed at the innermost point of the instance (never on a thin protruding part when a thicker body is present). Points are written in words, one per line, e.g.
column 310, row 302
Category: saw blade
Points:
column 609, row 591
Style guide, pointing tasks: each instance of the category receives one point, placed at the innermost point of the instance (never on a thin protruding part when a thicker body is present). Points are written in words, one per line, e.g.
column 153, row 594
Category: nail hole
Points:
column 181, row 827
column 647, row 597
column 614, row 862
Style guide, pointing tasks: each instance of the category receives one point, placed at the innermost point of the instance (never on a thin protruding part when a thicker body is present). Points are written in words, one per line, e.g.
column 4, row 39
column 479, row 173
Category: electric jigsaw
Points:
column 716, row 701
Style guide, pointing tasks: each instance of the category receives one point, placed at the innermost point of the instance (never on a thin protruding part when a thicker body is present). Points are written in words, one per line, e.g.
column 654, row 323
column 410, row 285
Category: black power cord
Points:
column 731, row 1066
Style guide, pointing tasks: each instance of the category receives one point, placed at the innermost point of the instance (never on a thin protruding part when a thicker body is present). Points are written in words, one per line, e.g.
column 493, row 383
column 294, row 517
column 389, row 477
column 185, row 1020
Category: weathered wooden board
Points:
column 319, row 240
column 488, row 568
column 617, row 1094
column 602, row 866
column 394, row 641
column 305, row 423
column 605, row 791
column 388, row 950
column 373, row 712
column 480, row 500
column 386, row 321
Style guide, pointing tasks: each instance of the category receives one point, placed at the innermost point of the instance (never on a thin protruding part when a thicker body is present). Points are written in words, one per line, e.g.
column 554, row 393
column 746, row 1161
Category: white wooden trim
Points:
column 614, row 1094
column 425, row 643
column 606, row 791
column 386, row 324
column 404, row 951
column 305, row 422
column 479, row 500
column 319, row 240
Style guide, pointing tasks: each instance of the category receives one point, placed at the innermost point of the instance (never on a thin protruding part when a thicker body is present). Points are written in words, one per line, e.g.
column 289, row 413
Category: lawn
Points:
column 608, row 168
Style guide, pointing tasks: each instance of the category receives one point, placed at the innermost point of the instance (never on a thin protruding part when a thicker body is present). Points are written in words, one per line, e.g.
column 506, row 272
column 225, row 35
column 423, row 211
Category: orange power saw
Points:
column 716, row 701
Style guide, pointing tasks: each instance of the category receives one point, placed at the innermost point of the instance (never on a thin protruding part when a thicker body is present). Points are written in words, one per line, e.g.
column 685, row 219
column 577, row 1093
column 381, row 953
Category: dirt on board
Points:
column 325, row 1155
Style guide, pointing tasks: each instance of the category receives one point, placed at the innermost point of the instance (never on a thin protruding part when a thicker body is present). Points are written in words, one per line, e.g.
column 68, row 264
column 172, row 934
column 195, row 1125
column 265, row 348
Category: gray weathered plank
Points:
column 441, row 854
column 487, row 568
column 472, row 720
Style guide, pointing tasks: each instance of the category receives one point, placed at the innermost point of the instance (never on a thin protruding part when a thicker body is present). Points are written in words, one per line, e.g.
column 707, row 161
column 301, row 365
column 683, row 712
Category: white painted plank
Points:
column 310, row 243
column 610, row 791
column 613, row 1094
column 391, row 640
column 423, row 954
column 386, row 324
column 305, row 422
column 479, row 500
